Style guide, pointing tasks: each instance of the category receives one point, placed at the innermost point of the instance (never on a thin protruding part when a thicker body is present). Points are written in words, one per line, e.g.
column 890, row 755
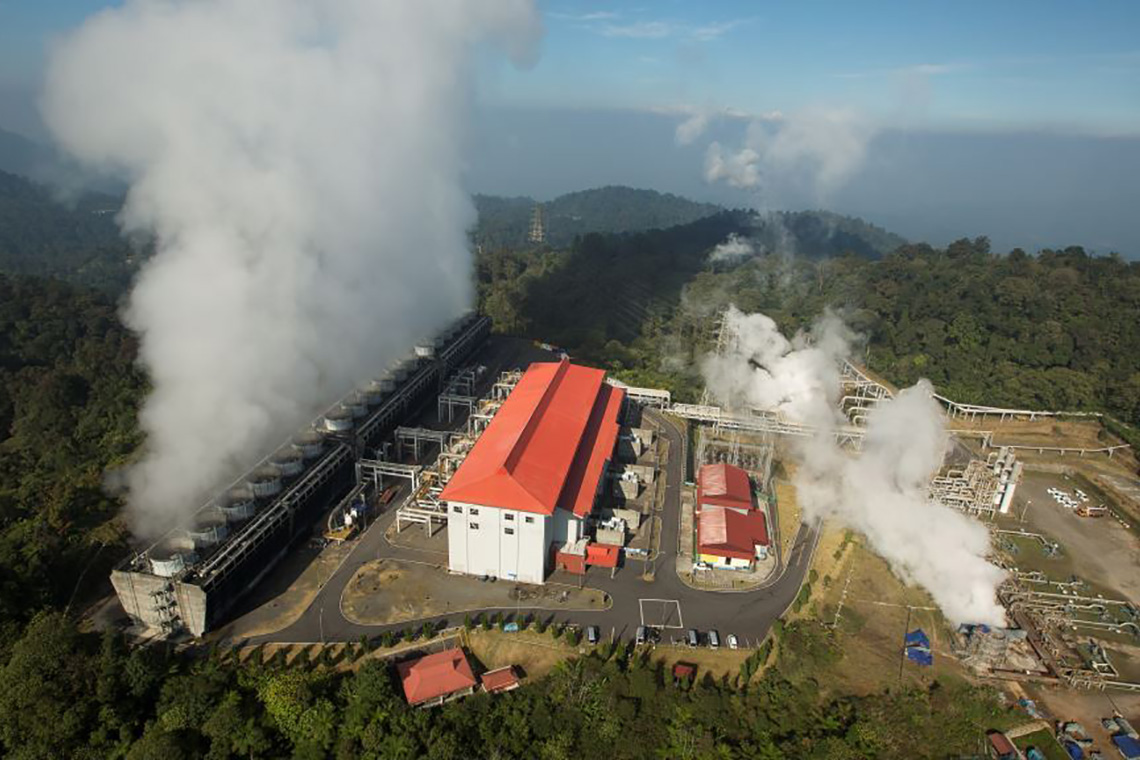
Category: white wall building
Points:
column 531, row 479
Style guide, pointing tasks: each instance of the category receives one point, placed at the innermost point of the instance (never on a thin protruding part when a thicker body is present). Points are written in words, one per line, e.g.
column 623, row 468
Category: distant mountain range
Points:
column 505, row 222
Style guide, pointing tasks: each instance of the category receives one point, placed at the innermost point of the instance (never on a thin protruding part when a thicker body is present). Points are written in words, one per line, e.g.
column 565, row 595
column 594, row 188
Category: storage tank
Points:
column 237, row 505
column 171, row 557
column 265, row 482
column 425, row 350
column 339, row 420
column 374, row 392
column 355, row 404
column 310, row 443
column 209, row 529
column 288, row 462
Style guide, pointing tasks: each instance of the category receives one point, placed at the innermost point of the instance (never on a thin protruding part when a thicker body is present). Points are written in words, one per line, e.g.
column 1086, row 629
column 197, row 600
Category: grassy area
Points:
column 1045, row 742
column 787, row 514
column 535, row 654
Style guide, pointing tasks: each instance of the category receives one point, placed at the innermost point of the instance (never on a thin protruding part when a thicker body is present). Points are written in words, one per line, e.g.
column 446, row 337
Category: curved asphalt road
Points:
column 749, row 614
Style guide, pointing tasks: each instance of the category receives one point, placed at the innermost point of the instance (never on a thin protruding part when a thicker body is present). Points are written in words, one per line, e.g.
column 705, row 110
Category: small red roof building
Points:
column 724, row 485
column 500, row 679
column 728, row 533
column 436, row 678
column 728, row 525
column 602, row 555
column 684, row 670
column 547, row 446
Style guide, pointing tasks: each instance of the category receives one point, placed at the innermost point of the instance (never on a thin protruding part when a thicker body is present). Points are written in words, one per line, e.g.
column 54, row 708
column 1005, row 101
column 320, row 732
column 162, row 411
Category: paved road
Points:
column 747, row 614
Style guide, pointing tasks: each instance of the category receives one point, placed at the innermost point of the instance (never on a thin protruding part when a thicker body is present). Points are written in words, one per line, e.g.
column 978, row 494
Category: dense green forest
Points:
column 1056, row 330
column 78, row 243
column 68, row 399
column 64, row 694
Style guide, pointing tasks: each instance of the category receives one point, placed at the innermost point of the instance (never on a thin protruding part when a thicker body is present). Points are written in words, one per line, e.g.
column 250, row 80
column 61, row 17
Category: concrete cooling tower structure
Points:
column 189, row 580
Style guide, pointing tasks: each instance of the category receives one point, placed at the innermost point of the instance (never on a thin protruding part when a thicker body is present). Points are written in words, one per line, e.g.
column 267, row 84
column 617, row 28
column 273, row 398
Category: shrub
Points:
column 467, row 622
column 486, row 622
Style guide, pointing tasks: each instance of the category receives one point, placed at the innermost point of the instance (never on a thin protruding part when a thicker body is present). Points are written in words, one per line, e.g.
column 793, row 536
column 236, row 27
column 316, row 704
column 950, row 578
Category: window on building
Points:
column 457, row 510
column 508, row 516
column 474, row 526
column 509, row 531
column 474, row 511
column 530, row 520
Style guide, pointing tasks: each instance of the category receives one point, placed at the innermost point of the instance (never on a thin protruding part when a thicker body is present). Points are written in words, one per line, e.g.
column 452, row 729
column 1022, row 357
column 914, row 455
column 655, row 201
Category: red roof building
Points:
column 518, row 502
column 436, row 678
column 724, row 485
column 730, row 530
column 547, row 445
column 500, row 679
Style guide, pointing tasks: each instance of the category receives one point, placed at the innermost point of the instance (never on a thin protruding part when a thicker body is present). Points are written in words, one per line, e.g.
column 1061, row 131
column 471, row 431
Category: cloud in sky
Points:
column 918, row 69
column 583, row 18
column 615, row 25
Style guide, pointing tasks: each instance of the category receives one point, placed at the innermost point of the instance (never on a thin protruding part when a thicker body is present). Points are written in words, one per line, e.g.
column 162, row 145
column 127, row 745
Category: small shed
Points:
column 684, row 671
column 500, row 680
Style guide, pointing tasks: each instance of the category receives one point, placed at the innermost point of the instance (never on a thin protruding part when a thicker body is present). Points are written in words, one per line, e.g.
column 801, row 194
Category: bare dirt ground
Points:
column 1100, row 550
column 1046, row 431
column 394, row 591
column 1086, row 708
column 877, row 611
column 282, row 598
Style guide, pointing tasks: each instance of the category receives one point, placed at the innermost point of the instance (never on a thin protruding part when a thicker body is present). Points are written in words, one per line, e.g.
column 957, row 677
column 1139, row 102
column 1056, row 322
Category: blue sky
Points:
column 1037, row 65
column 1073, row 67
column 1017, row 119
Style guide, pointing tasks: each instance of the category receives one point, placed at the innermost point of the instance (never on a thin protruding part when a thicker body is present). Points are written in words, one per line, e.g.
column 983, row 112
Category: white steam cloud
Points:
column 815, row 149
column 883, row 492
column 300, row 164
column 734, row 247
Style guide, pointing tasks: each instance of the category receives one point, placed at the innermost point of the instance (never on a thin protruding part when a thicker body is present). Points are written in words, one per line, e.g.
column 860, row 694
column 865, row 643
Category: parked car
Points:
column 732, row 642
column 592, row 634
column 714, row 640
column 693, row 638
column 641, row 635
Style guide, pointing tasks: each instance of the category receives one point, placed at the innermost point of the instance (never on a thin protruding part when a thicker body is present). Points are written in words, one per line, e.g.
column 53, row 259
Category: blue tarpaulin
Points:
column 1129, row 747
column 918, row 638
column 1074, row 750
column 921, row 656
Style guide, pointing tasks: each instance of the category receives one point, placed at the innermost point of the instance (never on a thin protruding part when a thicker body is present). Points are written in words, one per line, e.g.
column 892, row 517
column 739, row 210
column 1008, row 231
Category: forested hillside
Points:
column 66, row 695
column 68, row 399
column 506, row 221
column 1051, row 331
column 77, row 243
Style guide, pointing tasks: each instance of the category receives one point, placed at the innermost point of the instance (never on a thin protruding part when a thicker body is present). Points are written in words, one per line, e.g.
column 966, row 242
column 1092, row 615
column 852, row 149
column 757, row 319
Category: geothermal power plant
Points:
column 189, row 580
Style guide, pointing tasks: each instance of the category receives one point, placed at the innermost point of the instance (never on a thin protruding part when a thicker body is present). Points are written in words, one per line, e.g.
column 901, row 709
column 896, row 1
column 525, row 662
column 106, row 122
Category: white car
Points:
column 732, row 642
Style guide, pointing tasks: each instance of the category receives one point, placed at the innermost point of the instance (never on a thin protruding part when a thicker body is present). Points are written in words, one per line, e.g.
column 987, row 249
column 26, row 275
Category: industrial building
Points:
column 519, row 501
column 189, row 580
column 732, row 532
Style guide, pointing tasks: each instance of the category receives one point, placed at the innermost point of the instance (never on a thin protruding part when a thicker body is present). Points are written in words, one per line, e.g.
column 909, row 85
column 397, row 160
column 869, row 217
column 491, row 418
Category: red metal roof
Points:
column 435, row 675
column 546, row 446
column 602, row 555
column 500, row 679
column 724, row 485
column 728, row 533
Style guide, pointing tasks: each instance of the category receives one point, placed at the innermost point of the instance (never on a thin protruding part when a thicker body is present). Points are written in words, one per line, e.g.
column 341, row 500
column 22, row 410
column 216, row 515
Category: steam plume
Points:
column 882, row 493
column 733, row 247
column 299, row 162
column 817, row 150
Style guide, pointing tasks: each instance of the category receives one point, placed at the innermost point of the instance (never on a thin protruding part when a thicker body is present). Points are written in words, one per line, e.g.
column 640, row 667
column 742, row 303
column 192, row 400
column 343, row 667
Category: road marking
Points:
column 664, row 608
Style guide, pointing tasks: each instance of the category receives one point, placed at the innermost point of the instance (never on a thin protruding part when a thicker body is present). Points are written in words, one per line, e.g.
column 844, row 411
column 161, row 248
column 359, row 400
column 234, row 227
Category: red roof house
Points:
column 547, row 445
column 602, row 555
column 729, row 527
column 724, row 485
column 500, row 679
column 436, row 678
